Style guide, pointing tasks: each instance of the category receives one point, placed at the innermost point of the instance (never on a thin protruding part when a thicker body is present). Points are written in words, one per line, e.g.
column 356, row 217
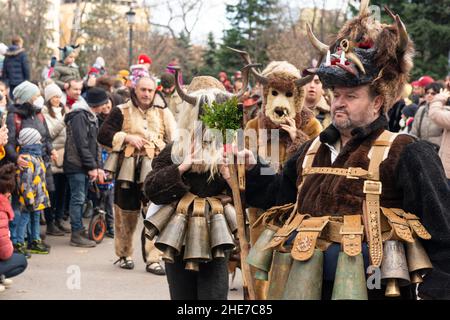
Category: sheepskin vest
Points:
column 323, row 194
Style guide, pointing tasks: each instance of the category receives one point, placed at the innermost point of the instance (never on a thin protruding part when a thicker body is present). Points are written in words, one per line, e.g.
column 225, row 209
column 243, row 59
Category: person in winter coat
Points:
column 11, row 264
column 26, row 114
column 82, row 158
column 423, row 126
column 440, row 114
column 54, row 112
column 66, row 69
column 15, row 66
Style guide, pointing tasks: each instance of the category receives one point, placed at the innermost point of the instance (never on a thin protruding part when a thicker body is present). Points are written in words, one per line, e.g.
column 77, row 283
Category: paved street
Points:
column 53, row 276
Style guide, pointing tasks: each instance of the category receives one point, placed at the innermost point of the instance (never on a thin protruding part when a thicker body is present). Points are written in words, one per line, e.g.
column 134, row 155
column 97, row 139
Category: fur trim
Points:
column 394, row 65
column 124, row 224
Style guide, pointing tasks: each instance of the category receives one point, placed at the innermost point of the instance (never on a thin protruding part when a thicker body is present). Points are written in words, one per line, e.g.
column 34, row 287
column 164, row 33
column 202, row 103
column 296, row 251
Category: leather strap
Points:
column 129, row 151
column 199, row 207
column 185, row 203
column 399, row 225
column 216, row 205
column 373, row 190
column 305, row 241
column 284, row 232
column 414, row 222
column 352, row 235
column 150, row 150
column 350, row 173
column 311, row 153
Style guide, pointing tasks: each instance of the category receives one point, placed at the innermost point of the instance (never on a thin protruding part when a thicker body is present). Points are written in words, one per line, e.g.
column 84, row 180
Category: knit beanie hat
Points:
column 51, row 91
column 29, row 136
column 96, row 97
column 66, row 51
column 25, row 91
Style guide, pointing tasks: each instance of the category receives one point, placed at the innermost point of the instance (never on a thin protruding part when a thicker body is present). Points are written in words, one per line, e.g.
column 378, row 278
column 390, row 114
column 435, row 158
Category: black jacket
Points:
column 165, row 184
column 82, row 152
column 29, row 117
column 15, row 66
column 421, row 181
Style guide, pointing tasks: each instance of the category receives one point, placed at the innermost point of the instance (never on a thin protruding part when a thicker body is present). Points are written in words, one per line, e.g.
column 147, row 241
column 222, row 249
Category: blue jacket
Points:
column 15, row 66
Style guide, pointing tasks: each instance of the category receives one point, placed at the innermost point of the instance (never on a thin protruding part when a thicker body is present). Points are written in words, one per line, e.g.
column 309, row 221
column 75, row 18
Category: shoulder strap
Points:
column 373, row 189
column 311, row 153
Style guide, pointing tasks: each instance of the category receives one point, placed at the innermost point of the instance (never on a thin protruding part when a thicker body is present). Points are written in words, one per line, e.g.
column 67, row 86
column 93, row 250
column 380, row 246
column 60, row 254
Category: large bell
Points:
column 305, row 279
column 279, row 274
column 418, row 261
column 230, row 215
column 146, row 168
column 394, row 268
column 198, row 247
column 126, row 173
column 158, row 221
column 221, row 238
column 350, row 281
column 258, row 257
column 111, row 162
column 171, row 238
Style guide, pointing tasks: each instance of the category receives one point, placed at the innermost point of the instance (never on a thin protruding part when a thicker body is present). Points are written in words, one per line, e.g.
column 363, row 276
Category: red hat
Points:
column 142, row 59
column 425, row 80
column 415, row 83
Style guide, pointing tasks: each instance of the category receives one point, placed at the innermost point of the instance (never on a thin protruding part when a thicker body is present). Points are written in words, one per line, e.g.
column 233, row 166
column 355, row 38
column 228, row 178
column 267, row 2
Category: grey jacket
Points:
column 426, row 129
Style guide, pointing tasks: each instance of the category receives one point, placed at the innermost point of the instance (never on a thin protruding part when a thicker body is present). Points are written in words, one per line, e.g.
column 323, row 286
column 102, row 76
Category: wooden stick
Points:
column 243, row 243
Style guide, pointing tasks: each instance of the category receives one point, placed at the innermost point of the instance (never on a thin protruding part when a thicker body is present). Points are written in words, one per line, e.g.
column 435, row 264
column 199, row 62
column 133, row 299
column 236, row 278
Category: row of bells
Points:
column 302, row 280
column 204, row 237
column 127, row 172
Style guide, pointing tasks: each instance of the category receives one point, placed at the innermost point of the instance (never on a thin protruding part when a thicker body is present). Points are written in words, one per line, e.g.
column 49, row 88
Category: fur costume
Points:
column 165, row 184
column 366, row 51
column 411, row 176
column 157, row 125
column 281, row 77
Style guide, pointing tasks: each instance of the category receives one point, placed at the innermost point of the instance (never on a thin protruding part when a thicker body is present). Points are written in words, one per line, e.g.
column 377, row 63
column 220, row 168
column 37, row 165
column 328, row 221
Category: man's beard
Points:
column 349, row 124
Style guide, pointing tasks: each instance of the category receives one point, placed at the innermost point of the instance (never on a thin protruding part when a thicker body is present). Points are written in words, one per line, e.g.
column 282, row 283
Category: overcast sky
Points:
column 213, row 16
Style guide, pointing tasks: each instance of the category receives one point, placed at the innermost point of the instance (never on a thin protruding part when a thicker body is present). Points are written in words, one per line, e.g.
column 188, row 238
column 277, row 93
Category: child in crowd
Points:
column 11, row 264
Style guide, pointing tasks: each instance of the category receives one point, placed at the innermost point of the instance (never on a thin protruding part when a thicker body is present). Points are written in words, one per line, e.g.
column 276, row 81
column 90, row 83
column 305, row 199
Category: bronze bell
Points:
column 279, row 274
column 221, row 238
column 394, row 268
column 146, row 168
column 111, row 162
column 258, row 257
column 418, row 261
column 197, row 247
column 126, row 173
column 171, row 238
column 230, row 215
column 350, row 280
column 158, row 221
column 305, row 279
column 261, row 275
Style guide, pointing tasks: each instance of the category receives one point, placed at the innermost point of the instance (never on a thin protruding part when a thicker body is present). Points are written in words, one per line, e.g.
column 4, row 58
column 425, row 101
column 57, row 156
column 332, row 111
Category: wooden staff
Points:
column 249, row 291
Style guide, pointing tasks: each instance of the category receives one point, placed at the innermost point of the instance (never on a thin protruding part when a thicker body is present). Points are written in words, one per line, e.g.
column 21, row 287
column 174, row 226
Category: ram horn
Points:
column 322, row 47
column 183, row 95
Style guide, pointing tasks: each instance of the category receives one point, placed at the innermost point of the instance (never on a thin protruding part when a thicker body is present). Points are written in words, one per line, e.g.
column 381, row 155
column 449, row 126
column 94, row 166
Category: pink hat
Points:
column 425, row 80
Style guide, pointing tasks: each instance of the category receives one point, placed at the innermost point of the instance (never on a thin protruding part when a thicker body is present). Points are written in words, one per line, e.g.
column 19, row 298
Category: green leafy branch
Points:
column 224, row 117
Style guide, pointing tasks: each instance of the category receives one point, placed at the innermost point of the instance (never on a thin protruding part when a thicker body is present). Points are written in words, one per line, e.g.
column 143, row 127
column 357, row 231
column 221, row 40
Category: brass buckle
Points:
column 372, row 187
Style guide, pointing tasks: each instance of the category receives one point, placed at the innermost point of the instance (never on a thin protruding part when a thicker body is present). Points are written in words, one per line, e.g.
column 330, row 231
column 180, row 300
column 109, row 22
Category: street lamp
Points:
column 131, row 17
